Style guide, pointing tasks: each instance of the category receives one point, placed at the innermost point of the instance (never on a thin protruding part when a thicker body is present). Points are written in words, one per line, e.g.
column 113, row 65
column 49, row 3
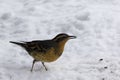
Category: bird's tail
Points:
column 18, row 43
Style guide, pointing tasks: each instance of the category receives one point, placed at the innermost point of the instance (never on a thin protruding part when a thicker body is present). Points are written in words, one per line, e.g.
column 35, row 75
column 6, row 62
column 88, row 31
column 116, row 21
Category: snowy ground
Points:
column 94, row 55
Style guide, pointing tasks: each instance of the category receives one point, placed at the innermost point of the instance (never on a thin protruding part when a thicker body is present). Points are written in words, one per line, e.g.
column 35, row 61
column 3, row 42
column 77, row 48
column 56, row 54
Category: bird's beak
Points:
column 72, row 37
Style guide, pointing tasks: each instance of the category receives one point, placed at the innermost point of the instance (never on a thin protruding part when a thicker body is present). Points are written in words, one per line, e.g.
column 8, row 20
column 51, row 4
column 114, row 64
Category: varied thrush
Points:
column 45, row 50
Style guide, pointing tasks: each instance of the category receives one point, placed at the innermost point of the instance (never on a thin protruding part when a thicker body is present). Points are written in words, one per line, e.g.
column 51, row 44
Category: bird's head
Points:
column 63, row 37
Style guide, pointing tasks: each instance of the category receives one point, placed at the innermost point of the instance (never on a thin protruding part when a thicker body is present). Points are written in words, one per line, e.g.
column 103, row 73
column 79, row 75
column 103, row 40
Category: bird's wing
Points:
column 38, row 46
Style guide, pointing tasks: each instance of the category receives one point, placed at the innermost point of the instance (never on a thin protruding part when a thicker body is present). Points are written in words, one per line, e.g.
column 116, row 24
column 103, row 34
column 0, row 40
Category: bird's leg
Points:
column 44, row 66
column 33, row 64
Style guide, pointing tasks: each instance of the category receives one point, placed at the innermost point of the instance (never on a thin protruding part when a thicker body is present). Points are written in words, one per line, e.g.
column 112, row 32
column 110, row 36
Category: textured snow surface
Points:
column 94, row 55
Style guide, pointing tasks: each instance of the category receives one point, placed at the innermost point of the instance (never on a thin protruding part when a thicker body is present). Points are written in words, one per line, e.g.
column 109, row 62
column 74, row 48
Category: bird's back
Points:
column 41, row 46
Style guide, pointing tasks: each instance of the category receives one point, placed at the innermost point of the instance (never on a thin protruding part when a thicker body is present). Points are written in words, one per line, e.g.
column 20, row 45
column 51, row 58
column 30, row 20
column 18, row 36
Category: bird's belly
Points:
column 49, row 56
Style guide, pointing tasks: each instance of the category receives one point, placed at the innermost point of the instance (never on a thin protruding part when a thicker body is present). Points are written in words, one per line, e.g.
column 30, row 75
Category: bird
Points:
column 45, row 50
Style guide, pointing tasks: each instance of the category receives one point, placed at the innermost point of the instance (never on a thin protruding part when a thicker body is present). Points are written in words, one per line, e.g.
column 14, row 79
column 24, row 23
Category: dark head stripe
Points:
column 60, row 37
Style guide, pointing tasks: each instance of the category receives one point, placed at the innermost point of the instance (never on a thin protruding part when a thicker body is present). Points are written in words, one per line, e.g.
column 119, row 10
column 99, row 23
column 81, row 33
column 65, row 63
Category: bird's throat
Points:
column 61, row 46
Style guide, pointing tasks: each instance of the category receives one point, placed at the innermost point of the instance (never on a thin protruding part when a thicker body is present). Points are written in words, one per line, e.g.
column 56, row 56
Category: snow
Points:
column 94, row 55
